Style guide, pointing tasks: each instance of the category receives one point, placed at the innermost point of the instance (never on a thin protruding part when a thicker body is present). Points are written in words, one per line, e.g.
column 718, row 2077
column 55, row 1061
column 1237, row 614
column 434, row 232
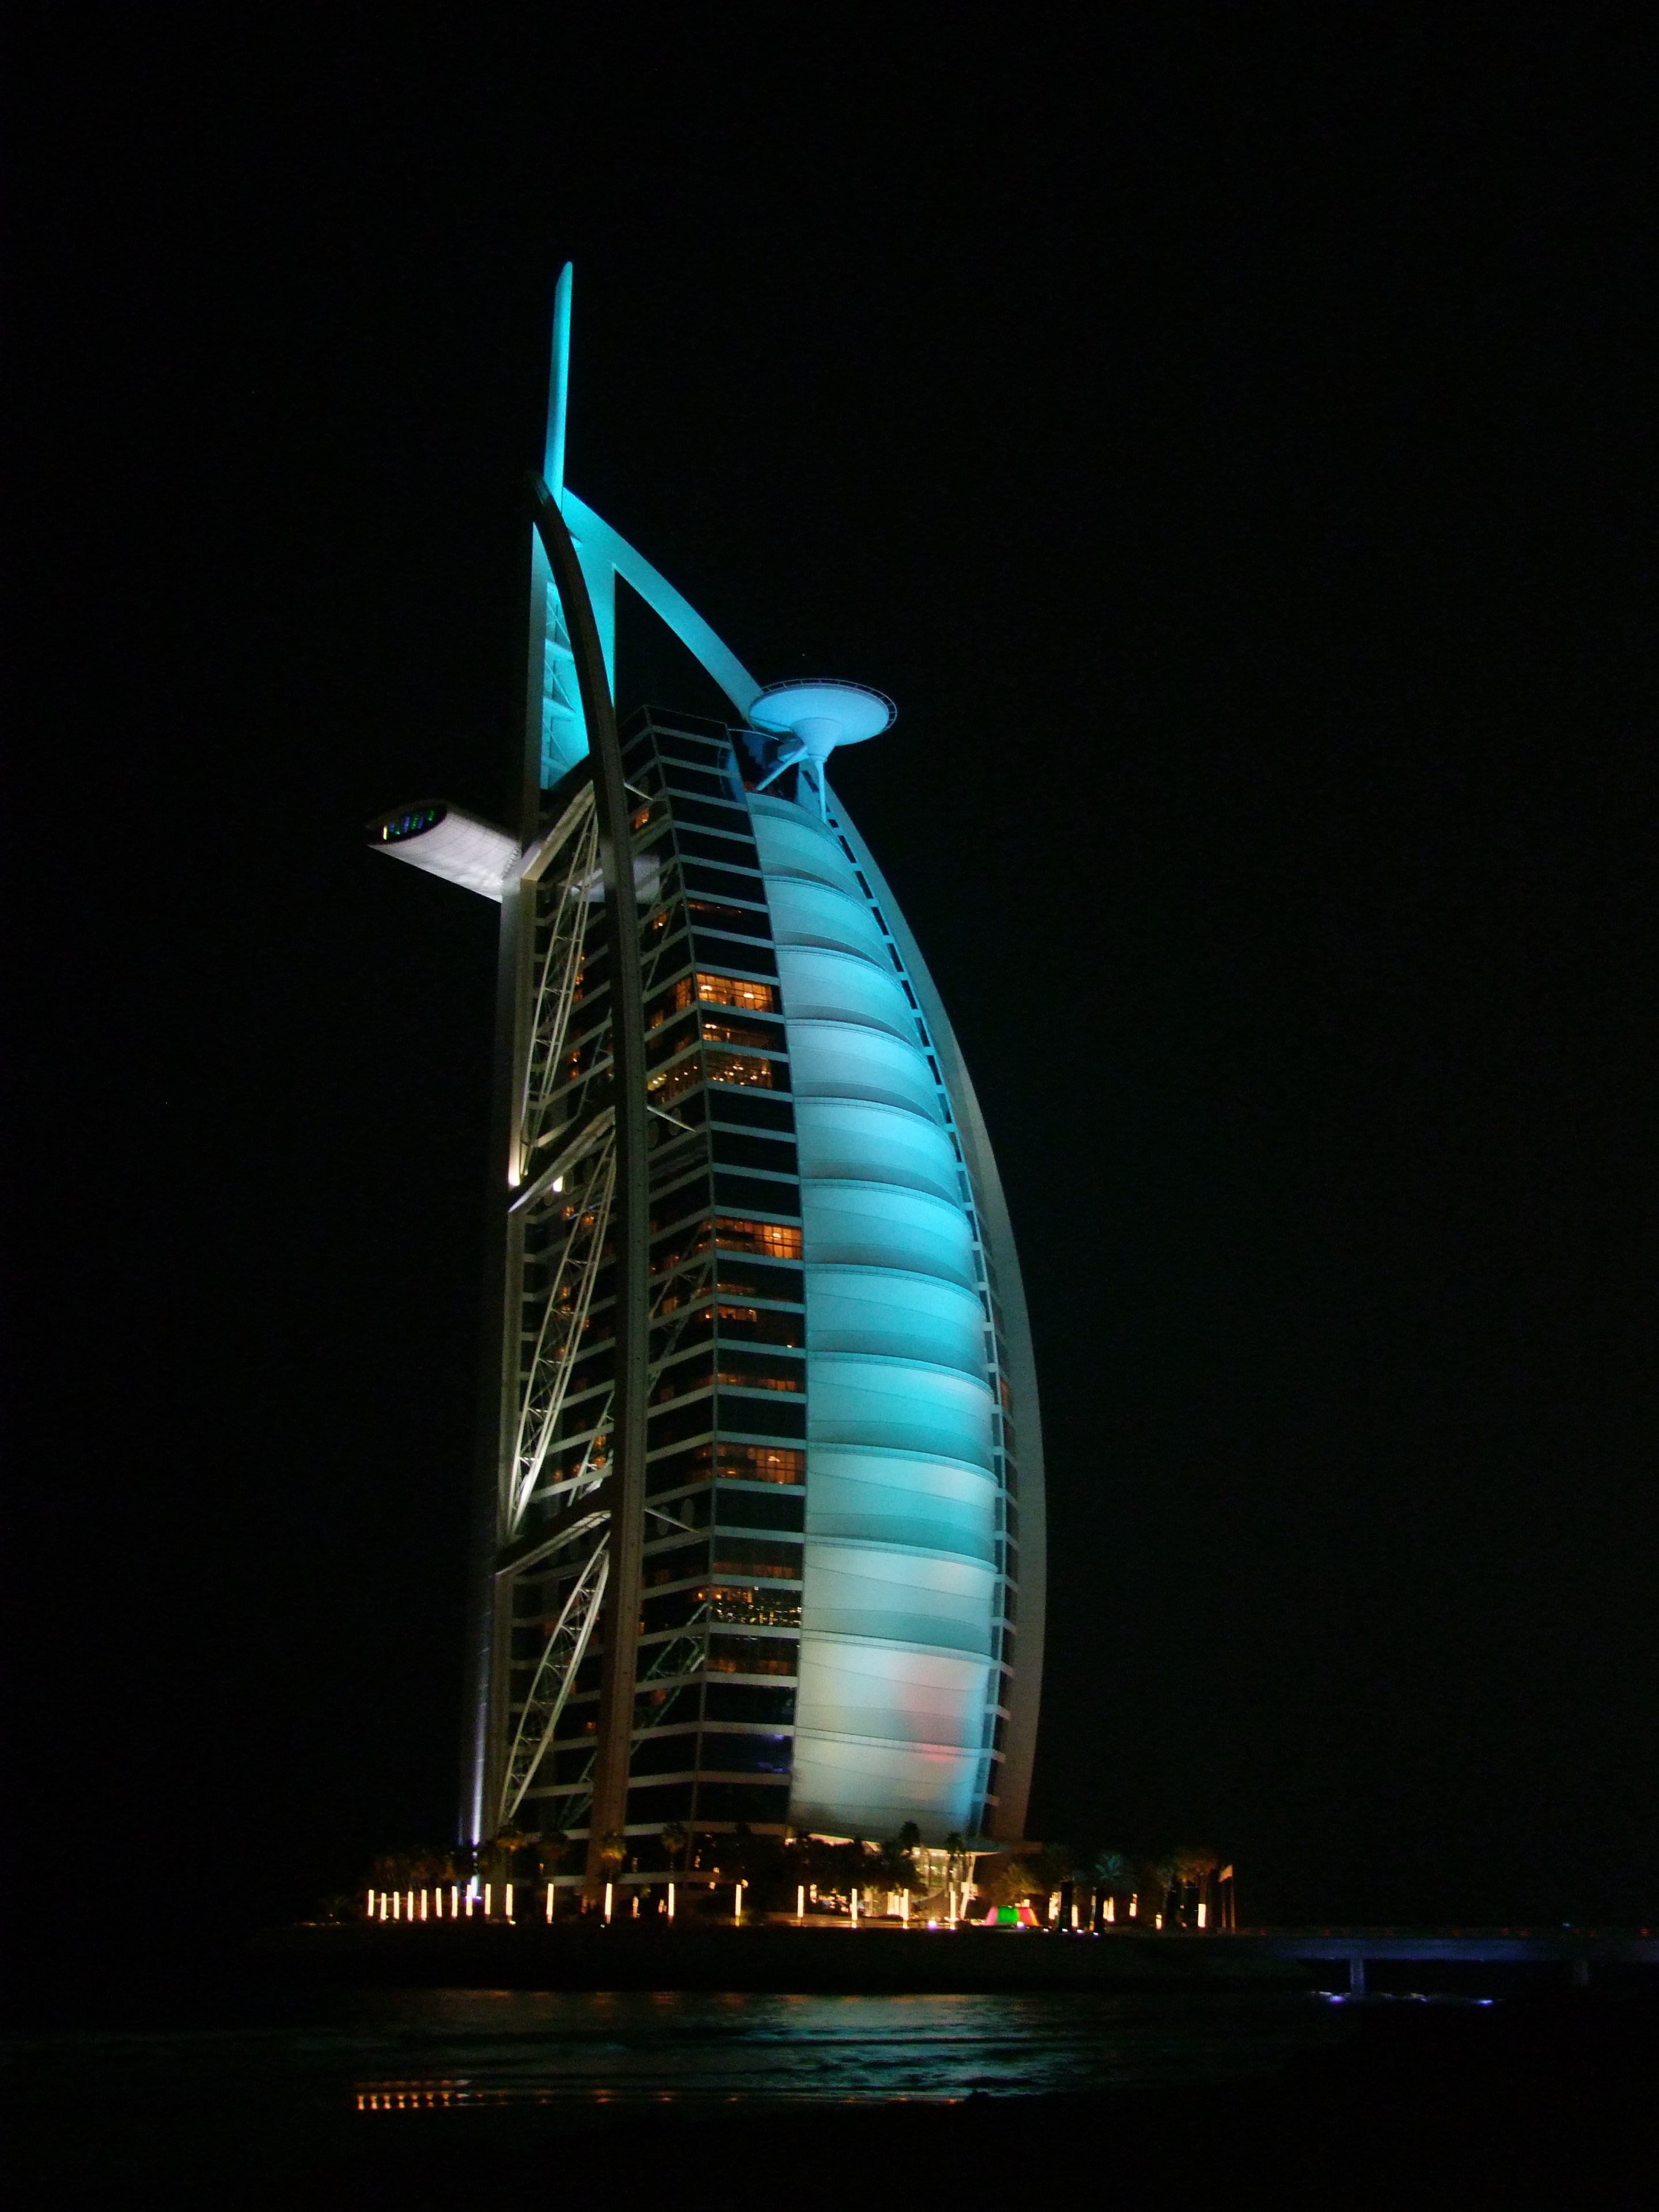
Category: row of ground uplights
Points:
column 476, row 1898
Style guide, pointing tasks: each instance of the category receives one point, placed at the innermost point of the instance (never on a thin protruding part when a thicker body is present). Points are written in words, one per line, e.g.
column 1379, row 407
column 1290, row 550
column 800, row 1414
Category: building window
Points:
column 747, row 1148
column 680, row 1467
column 731, row 1067
column 754, row 1278
column 770, row 1240
column 765, row 1557
column 759, row 1608
column 710, row 990
column 679, row 745
column 673, row 1001
column 673, row 1083
column 749, row 1701
column 755, row 1512
column 734, row 991
column 723, row 1031
column 697, row 781
column 746, row 1754
column 762, row 1463
column 742, row 1800
column 683, row 1380
column 677, row 1566
column 751, row 1655
column 750, row 1324
column 741, row 1378
column 776, row 1240
column 736, row 921
column 723, row 884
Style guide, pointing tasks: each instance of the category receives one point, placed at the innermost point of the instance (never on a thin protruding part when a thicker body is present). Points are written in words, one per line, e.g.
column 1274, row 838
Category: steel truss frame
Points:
column 678, row 1655
column 579, row 1181
column 556, row 1671
column 567, row 1304
column 574, row 839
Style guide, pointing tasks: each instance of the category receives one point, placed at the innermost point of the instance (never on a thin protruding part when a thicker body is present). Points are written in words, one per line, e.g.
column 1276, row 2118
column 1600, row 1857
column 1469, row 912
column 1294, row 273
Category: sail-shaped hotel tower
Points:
column 760, row 1526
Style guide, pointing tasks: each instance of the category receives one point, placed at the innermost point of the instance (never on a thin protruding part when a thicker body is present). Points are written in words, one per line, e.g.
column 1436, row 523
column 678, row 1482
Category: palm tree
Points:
column 1052, row 1867
column 813, row 1863
column 551, row 1851
column 676, row 1841
column 850, row 1865
column 500, row 1857
column 1194, row 1864
column 1013, row 1880
column 1109, row 1875
column 895, row 1861
column 1159, row 1875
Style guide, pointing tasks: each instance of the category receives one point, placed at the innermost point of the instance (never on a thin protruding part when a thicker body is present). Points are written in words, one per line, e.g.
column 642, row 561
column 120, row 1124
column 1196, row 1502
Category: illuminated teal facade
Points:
column 903, row 1703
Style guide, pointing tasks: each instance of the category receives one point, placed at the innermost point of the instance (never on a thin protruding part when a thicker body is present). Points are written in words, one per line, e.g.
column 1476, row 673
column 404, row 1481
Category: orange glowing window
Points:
column 672, row 1083
column 717, row 1031
column 732, row 1067
column 723, row 1663
column 762, row 1463
column 732, row 990
column 791, row 1381
column 775, row 1239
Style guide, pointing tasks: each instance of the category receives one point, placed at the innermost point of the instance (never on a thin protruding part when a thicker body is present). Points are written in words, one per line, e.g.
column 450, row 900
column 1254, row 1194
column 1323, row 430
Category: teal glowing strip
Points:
column 604, row 555
column 559, row 388
column 605, row 551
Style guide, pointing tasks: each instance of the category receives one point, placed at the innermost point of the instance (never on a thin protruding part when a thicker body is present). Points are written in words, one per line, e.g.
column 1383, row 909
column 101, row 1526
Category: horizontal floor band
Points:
column 897, row 1644
column 901, row 1743
column 906, row 1551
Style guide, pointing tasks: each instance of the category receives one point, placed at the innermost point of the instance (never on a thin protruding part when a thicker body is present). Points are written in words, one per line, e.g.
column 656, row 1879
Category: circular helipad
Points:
column 823, row 712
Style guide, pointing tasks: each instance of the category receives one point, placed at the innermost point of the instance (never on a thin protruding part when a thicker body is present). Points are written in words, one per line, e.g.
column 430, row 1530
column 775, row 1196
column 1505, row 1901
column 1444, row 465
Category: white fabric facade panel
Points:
column 847, row 1786
column 843, row 987
column 833, row 1059
column 905, row 1317
column 816, row 914
column 855, row 1398
column 904, row 1497
column 900, row 1585
column 889, row 1695
column 794, row 844
column 855, row 1588
column 859, row 1225
column 855, row 1141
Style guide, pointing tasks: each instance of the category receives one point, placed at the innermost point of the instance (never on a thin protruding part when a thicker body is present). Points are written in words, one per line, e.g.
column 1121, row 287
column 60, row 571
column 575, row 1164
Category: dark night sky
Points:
column 1231, row 441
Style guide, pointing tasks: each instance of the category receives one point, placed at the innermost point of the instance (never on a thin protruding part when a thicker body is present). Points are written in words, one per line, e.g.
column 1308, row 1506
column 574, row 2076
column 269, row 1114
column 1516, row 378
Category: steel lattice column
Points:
column 630, row 1211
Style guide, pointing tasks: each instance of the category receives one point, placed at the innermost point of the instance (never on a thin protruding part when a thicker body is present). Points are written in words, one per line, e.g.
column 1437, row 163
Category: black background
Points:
column 1229, row 437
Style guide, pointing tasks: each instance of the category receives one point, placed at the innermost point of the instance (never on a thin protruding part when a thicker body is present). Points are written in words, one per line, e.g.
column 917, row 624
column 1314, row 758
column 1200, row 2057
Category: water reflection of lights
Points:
column 621, row 2050
column 433, row 2096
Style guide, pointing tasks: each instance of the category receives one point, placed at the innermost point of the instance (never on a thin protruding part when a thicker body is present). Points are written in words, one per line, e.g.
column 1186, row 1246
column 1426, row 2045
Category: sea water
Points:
column 581, row 2052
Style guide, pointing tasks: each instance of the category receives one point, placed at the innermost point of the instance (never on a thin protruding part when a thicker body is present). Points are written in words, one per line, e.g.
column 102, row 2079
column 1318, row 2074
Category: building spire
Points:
column 558, row 389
